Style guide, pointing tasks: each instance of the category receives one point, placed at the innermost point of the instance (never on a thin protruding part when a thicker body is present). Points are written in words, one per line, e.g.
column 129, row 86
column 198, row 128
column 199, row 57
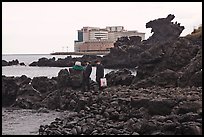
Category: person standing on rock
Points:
column 86, row 76
column 99, row 73
column 76, row 75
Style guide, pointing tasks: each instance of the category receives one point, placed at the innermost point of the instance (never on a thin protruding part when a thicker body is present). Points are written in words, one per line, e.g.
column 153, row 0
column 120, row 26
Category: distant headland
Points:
column 81, row 53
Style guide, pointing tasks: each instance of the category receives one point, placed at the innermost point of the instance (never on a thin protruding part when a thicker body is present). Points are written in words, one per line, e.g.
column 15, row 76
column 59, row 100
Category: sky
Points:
column 45, row 27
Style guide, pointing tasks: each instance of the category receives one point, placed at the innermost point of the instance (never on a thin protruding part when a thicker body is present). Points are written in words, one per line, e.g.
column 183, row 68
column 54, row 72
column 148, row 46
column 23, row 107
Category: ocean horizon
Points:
column 35, row 71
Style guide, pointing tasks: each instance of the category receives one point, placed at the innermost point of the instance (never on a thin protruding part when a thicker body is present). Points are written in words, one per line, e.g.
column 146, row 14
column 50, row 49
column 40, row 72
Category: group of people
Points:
column 81, row 75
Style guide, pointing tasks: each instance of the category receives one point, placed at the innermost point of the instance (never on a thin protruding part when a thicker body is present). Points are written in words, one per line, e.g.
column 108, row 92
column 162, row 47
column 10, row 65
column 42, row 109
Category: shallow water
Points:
column 25, row 121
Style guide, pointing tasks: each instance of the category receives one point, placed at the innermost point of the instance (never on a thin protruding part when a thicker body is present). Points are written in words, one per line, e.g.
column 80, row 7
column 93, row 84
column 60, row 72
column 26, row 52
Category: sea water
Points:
column 34, row 71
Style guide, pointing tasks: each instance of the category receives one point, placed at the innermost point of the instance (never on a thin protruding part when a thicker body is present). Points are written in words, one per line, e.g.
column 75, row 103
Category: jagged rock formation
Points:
column 164, row 30
column 163, row 51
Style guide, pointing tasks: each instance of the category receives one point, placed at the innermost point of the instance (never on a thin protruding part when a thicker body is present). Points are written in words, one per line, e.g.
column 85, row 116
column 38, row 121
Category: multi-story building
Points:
column 97, row 39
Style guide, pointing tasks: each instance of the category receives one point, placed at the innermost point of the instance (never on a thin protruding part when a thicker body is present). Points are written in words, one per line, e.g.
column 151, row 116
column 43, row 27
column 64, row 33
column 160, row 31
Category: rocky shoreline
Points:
column 123, row 108
column 164, row 98
column 13, row 62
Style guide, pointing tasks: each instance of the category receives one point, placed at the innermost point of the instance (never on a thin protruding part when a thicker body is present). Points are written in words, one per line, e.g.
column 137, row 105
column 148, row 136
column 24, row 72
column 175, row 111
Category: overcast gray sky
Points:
column 44, row 27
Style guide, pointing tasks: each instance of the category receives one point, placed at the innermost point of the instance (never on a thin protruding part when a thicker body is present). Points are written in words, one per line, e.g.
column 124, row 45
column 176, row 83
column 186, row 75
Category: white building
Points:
column 89, row 38
column 98, row 34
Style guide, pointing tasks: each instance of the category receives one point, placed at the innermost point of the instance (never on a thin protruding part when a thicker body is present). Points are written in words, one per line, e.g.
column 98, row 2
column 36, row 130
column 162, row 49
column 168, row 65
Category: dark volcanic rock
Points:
column 66, row 62
column 44, row 84
column 161, row 106
column 63, row 79
column 22, row 64
column 9, row 90
column 167, row 78
column 28, row 98
column 186, row 107
column 52, row 100
column 116, row 110
column 22, row 81
column 120, row 77
column 163, row 51
column 4, row 63
column 191, row 74
column 132, row 40
column 10, row 63
column 150, row 111
column 164, row 29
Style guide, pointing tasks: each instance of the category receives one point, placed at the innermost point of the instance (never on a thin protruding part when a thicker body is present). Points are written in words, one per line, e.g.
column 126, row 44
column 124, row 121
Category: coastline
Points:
column 79, row 53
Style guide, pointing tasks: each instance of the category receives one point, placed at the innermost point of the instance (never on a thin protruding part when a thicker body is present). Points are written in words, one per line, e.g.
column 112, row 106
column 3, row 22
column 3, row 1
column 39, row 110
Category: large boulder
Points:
column 44, row 84
column 28, row 98
column 22, row 81
column 166, row 78
column 63, row 78
column 9, row 90
column 120, row 77
column 161, row 106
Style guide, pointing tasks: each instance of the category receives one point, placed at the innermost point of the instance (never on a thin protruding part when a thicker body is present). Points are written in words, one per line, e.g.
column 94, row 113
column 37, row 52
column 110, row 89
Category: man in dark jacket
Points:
column 86, row 76
column 99, row 73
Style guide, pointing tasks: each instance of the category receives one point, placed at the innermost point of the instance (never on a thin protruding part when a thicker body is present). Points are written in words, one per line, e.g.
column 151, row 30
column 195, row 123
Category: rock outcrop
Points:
column 9, row 90
column 13, row 62
column 164, row 51
column 164, row 30
column 120, row 77
column 66, row 62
